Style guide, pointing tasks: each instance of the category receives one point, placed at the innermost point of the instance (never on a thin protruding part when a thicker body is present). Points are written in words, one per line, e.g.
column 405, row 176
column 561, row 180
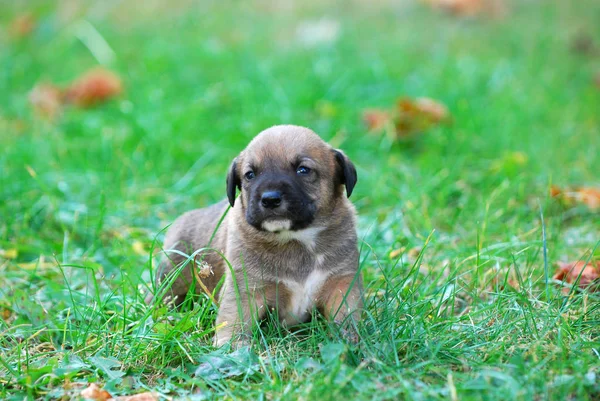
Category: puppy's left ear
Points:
column 233, row 182
column 346, row 172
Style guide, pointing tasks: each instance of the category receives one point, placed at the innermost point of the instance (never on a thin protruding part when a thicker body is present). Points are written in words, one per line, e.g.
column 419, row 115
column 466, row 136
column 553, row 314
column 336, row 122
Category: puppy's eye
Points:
column 249, row 175
column 302, row 170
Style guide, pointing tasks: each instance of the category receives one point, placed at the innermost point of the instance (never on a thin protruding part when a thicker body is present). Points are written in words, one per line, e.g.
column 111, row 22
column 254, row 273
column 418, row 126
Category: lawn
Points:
column 459, row 234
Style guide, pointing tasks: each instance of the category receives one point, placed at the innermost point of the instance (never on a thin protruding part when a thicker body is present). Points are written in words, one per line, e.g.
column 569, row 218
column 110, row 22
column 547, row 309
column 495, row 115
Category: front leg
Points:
column 341, row 300
column 238, row 310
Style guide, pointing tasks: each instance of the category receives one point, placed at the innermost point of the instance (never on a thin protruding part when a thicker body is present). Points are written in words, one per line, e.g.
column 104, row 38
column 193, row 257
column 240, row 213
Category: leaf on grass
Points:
column 5, row 313
column 586, row 195
column 138, row 248
column 408, row 117
column 376, row 119
column 583, row 44
column 11, row 253
column 93, row 87
column 215, row 366
column 587, row 273
column 470, row 8
column 459, row 7
column 94, row 392
column 37, row 265
column 46, row 99
column 23, row 25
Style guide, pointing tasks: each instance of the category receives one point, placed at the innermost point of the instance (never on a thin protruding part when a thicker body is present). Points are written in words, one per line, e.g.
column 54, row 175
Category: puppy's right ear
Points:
column 233, row 182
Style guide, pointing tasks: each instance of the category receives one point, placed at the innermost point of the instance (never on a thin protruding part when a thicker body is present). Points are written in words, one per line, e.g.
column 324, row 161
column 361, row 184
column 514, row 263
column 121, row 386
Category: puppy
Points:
column 289, row 239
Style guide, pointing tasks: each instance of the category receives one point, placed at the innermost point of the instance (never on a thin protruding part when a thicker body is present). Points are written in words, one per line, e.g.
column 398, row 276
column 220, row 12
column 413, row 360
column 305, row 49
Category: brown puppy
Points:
column 289, row 239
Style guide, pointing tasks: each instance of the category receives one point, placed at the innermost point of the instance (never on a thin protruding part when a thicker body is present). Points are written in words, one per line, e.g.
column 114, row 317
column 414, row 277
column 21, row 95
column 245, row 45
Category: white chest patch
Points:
column 308, row 236
column 303, row 296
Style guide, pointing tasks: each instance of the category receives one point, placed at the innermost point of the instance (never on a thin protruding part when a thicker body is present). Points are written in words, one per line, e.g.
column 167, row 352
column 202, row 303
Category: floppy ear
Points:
column 347, row 172
column 233, row 182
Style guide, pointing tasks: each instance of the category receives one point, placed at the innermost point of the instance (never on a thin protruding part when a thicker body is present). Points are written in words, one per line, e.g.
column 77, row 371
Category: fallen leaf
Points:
column 5, row 313
column 94, row 392
column 93, row 87
column 583, row 43
column 586, row 195
column 397, row 252
column 138, row 248
column 376, row 119
column 9, row 253
column 46, row 99
column 459, row 7
column 23, row 25
column 408, row 117
column 435, row 111
column 587, row 273
column 470, row 8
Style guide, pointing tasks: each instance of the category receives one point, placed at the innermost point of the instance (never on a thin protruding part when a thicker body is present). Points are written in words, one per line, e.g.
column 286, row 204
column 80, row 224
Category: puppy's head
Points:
column 288, row 177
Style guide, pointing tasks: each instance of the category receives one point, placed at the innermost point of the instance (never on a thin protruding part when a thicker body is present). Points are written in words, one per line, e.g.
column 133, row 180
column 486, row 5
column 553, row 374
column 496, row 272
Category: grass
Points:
column 454, row 254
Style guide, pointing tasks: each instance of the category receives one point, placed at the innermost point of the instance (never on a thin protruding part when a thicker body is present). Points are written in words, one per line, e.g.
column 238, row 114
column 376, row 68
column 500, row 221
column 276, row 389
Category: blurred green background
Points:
column 84, row 195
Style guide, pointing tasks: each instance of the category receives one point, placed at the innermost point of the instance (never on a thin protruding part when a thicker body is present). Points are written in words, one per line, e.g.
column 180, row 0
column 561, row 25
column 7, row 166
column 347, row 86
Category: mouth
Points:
column 276, row 226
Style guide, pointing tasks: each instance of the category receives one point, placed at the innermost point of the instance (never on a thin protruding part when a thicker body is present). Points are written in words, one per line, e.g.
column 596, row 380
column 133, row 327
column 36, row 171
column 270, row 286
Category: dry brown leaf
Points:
column 46, row 99
column 376, row 119
column 586, row 195
column 570, row 272
column 583, row 44
column 23, row 25
column 93, row 87
column 94, row 392
column 5, row 313
column 459, row 7
column 470, row 8
column 435, row 111
column 408, row 117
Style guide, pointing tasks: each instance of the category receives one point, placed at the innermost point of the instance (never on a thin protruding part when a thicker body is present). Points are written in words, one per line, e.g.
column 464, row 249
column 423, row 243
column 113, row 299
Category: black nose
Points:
column 271, row 199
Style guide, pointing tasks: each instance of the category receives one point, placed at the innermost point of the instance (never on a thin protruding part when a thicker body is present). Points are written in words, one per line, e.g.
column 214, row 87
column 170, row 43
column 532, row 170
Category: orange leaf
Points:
column 376, row 119
column 95, row 86
column 569, row 272
column 586, row 195
column 46, row 99
column 23, row 25
column 436, row 111
column 459, row 7
column 94, row 392
column 417, row 115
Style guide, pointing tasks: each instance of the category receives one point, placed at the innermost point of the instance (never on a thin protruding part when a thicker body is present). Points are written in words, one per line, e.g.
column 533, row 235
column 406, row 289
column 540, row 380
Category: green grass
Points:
column 84, row 199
